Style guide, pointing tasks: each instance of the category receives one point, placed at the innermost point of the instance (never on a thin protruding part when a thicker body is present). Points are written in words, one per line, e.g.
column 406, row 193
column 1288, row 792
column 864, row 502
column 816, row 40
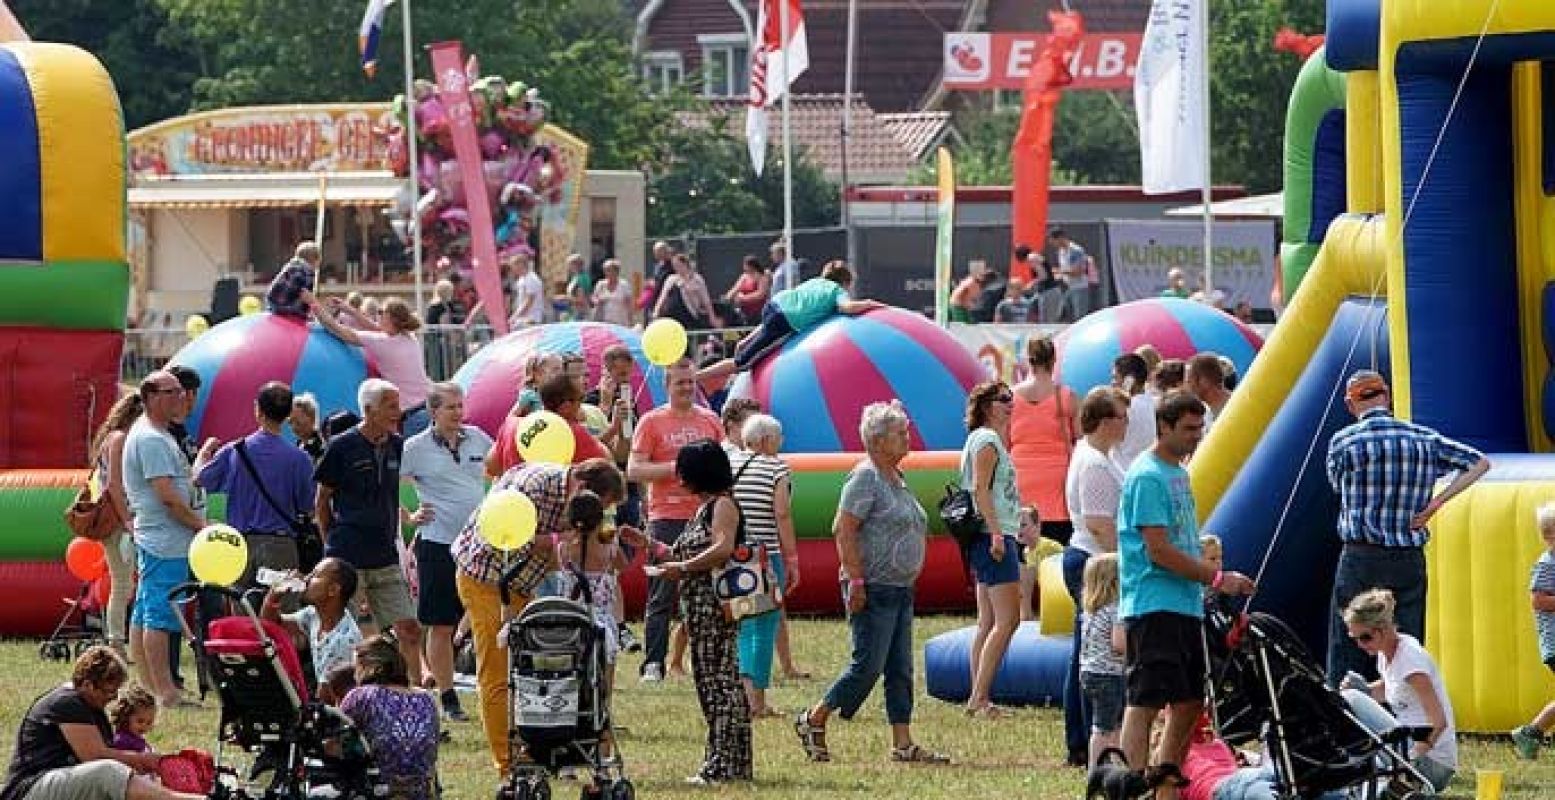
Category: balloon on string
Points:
column 545, row 438
column 249, row 305
column 507, row 519
column 196, row 325
column 218, row 555
column 664, row 341
column 85, row 559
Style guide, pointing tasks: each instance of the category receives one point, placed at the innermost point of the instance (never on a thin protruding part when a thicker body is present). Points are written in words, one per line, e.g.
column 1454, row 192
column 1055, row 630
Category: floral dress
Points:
column 715, row 661
column 401, row 727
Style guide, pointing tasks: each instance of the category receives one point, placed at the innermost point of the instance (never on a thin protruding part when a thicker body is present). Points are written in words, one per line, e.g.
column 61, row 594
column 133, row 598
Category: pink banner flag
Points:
column 453, row 89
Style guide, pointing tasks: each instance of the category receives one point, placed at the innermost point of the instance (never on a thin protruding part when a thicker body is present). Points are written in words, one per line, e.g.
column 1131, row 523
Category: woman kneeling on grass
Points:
column 62, row 748
column 881, row 530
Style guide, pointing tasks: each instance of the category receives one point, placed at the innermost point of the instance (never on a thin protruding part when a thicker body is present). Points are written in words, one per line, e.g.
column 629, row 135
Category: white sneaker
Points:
column 653, row 673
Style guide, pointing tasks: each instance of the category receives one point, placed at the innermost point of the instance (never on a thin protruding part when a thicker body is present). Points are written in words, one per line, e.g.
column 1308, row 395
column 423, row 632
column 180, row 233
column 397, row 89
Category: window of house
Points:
column 725, row 64
column 663, row 70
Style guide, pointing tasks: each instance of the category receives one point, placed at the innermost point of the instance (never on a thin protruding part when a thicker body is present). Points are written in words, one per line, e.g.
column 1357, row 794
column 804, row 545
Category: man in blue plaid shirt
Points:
column 1385, row 470
column 291, row 292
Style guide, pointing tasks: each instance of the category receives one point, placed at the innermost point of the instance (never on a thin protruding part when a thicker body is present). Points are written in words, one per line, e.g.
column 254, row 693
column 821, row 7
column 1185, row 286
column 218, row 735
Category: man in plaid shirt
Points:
column 1385, row 470
column 480, row 568
column 291, row 292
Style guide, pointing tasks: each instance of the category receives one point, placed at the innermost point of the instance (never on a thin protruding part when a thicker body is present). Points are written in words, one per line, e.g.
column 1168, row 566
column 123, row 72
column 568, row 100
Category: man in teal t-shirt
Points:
column 791, row 311
column 1161, row 581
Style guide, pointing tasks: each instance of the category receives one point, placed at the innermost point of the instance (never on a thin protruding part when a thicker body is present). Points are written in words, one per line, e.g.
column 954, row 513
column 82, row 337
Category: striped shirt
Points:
column 1385, row 470
column 1544, row 621
column 546, row 486
column 754, row 491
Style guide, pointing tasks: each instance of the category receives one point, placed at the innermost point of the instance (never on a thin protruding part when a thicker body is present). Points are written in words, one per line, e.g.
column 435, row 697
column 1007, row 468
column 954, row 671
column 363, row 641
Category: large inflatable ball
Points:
column 244, row 353
column 1175, row 327
column 820, row 382
column 494, row 375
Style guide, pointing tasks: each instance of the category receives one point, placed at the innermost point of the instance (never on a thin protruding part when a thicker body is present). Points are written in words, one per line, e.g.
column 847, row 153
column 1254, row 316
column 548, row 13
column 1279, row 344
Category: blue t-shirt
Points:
column 149, row 453
column 365, row 505
column 810, row 303
column 1544, row 621
column 287, row 474
column 451, row 481
column 1156, row 493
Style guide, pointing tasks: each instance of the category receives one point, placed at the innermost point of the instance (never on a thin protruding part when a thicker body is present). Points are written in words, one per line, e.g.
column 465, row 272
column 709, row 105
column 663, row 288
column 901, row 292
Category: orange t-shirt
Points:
column 659, row 436
column 1041, row 442
column 584, row 445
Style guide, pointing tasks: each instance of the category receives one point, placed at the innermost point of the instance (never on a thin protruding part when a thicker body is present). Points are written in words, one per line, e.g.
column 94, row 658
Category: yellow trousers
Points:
column 484, row 603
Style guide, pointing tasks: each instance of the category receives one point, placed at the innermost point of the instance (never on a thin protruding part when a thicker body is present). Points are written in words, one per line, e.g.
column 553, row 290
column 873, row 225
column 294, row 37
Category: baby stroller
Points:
column 79, row 628
column 558, row 709
column 307, row 749
column 1265, row 686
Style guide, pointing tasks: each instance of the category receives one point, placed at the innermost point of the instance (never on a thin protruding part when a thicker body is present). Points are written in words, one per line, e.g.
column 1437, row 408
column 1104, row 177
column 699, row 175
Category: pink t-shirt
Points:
column 660, row 435
column 1208, row 765
column 400, row 362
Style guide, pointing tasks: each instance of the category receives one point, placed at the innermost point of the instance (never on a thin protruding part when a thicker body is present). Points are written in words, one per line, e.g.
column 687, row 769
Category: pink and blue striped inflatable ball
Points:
column 494, row 375
column 820, row 382
column 1177, row 328
column 244, row 353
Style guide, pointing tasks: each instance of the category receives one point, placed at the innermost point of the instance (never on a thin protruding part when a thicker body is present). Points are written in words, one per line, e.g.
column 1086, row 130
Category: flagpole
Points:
column 847, row 128
column 785, row 39
column 415, row 160
column 1204, row 191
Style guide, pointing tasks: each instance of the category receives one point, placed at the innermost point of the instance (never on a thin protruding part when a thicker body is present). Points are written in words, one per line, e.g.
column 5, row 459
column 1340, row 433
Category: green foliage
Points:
column 703, row 183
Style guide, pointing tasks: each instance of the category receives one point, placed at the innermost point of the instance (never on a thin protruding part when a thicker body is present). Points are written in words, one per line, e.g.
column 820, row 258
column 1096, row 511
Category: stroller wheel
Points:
column 622, row 790
column 542, row 790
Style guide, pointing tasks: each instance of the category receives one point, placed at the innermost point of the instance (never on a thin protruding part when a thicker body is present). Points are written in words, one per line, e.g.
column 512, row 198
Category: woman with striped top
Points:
column 761, row 488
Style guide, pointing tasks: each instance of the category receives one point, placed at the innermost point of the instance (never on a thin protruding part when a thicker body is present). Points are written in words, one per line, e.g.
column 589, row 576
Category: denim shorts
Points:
column 993, row 573
column 1104, row 693
column 158, row 577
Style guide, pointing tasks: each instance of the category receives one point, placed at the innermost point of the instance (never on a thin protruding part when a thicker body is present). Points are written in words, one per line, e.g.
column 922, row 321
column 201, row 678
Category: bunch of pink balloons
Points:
column 518, row 176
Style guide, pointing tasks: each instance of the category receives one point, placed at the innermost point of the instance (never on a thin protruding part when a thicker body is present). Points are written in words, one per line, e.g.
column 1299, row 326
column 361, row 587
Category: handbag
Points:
column 958, row 510
column 92, row 518
column 310, row 542
column 744, row 585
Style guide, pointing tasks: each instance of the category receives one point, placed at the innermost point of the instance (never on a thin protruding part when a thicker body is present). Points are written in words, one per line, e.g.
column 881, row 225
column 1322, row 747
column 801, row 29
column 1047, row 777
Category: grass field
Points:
column 1017, row 757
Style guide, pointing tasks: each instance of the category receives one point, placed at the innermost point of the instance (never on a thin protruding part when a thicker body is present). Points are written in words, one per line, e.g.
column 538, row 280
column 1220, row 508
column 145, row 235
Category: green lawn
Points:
column 1018, row 757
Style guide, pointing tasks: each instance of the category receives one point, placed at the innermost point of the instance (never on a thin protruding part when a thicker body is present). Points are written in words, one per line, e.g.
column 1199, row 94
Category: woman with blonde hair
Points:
column 393, row 343
column 118, row 548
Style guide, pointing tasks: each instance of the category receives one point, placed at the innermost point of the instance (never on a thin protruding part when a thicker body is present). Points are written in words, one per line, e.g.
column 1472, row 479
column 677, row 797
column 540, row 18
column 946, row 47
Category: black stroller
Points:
column 307, row 749
column 558, row 710
column 1265, row 687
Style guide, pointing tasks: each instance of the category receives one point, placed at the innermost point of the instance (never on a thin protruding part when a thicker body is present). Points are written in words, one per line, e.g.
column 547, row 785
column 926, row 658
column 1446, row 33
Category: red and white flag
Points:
column 769, row 78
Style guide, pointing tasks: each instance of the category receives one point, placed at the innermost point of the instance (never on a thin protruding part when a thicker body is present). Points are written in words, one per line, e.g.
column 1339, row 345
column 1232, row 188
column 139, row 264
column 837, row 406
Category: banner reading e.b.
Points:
column 1141, row 252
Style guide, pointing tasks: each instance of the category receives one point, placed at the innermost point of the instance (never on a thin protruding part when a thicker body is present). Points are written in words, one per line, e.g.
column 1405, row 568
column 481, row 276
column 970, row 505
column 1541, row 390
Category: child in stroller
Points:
column 561, row 661
column 308, row 749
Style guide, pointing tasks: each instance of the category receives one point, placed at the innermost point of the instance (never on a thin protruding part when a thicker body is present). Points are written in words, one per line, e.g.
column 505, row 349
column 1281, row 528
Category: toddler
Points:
column 133, row 714
column 1212, row 551
column 1101, row 652
column 1542, row 586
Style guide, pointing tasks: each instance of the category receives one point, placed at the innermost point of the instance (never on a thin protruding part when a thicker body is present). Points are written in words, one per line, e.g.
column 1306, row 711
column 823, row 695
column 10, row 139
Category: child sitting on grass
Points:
column 133, row 714
column 1101, row 652
column 1529, row 737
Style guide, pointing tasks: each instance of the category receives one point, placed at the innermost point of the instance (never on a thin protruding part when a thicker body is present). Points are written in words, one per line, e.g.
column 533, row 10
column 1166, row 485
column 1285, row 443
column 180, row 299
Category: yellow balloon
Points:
column 218, row 555
column 249, row 305
column 545, row 438
column 507, row 519
column 594, row 420
column 664, row 341
column 196, row 325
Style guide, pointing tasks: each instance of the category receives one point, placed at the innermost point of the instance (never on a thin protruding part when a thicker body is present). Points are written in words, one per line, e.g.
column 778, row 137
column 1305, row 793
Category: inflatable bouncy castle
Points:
column 64, row 285
column 1437, row 267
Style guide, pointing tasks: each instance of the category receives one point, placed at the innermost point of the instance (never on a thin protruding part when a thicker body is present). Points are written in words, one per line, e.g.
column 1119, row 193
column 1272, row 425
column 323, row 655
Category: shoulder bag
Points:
column 89, row 518
column 958, row 510
column 744, row 584
column 310, row 542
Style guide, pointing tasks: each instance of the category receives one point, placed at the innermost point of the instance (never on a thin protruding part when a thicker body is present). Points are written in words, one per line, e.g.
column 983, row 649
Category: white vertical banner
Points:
column 1170, row 100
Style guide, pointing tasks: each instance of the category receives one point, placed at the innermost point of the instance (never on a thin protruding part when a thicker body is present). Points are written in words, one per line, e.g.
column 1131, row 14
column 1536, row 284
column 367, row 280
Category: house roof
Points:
column 876, row 156
column 918, row 131
column 1101, row 16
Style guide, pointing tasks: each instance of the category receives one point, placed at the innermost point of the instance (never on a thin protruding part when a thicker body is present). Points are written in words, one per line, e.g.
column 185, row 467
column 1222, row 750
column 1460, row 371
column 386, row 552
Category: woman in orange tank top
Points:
column 1043, row 428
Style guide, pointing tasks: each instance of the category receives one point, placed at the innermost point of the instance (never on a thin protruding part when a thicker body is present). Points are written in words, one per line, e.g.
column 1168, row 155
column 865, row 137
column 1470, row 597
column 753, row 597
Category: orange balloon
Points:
column 101, row 589
column 86, row 559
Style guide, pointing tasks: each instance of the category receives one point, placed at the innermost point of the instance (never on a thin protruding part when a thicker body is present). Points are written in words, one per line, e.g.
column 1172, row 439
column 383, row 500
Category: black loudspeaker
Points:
column 224, row 300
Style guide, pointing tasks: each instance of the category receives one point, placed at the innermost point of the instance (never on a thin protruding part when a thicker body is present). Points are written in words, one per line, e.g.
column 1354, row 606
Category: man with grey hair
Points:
column 447, row 464
column 357, row 508
column 291, row 292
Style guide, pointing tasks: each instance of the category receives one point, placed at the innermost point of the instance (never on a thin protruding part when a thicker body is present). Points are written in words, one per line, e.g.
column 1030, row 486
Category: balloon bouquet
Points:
column 519, row 176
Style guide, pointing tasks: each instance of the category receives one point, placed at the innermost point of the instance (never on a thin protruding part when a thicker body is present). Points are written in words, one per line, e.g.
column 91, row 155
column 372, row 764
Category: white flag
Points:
column 767, row 62
column 1169, row 98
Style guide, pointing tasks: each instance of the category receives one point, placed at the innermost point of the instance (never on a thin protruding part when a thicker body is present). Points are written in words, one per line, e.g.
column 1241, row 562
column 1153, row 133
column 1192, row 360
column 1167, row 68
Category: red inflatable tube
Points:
column 943, row 585
column 36, row 596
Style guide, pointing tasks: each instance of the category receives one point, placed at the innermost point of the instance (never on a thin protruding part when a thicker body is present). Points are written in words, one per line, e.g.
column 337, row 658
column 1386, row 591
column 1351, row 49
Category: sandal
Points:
column 988, row 712
column 917, row 754
column 766, row 713
column 811, row 737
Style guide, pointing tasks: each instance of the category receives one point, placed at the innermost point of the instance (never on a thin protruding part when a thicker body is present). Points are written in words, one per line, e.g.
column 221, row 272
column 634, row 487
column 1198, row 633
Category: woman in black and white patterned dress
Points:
column 703, row 469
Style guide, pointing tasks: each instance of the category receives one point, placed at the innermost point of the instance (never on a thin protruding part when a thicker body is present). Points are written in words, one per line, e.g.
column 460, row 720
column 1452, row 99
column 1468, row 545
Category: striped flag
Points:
column 372, row 30
column 767, row 70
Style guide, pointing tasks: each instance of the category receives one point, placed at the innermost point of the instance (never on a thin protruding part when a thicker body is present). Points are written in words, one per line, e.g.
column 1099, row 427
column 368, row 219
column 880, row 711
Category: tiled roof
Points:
column 1101, row 16
column 876, row 155
column 917, row 131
